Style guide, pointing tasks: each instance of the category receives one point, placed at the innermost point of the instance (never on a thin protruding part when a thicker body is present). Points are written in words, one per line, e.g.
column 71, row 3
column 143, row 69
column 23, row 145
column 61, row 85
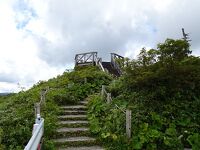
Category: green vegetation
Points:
column 161, row 87
column 17, row 110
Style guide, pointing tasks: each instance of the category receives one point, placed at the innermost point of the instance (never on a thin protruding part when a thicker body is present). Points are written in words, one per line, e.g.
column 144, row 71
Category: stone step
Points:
column 74, row 107
column 83, row 102
column 83, row 148
column 73, row 123
column 66, row 132
column 73, row 112
column 61, row 130
column 75, row 141
column 72, row 117
column 73, row 129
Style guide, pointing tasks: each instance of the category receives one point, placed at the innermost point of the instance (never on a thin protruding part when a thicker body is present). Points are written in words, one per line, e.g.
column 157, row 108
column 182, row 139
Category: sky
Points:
column 39, row 38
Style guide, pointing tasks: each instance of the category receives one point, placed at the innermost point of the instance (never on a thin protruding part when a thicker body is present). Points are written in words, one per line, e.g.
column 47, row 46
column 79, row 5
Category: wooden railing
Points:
column 88, row 58
column 98, row 62
column 92, row 59
column 127, row 112
column 114, row 58
column 85, row 58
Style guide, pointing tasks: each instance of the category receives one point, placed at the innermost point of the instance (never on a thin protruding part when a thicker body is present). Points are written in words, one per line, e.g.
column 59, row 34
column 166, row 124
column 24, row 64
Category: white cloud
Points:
column 8, row 87
column 19, row 62
column 40, row 38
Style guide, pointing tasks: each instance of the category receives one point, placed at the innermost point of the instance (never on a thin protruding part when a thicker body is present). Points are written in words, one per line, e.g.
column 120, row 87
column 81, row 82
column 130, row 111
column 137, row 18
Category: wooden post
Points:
column 108, row 98
column 93, row 59
column 128, row 123
column 37, row 108
column 114, row 83
column 69, row 85
column 85, row 80
column 42, row 96
column 37, row 112
column 102, row 92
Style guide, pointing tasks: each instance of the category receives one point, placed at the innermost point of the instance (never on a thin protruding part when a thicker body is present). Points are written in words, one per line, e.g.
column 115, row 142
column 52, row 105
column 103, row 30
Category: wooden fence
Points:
column 127, row 112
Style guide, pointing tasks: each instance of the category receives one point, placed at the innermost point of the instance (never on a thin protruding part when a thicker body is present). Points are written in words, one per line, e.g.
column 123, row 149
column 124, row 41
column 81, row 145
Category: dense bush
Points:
column 107, row 122
column 161, row 87
column 166, row 82
column 175, row 127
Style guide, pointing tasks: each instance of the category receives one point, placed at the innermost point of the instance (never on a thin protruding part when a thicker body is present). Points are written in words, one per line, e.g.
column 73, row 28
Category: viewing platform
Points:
column 91, row 58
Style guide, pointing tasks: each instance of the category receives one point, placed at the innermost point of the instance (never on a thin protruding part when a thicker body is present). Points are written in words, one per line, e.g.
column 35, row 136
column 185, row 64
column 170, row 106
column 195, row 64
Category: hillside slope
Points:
column 161, row 88
column 17, row 111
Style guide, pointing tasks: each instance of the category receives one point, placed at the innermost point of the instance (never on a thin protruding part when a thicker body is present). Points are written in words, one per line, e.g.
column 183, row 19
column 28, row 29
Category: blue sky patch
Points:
column 24, row 13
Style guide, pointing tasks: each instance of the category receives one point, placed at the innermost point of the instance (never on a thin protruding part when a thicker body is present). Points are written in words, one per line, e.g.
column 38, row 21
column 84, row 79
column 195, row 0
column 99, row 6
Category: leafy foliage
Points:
column 161, row 87
column 194, row 141
column 107, row 122
column 17, row 110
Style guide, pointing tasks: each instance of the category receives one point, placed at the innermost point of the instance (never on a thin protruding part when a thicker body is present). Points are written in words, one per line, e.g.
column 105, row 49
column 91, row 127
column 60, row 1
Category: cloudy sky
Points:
column 39, row 38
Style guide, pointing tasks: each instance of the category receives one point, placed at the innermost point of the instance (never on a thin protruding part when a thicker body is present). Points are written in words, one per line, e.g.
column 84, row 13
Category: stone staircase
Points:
column 73, row 132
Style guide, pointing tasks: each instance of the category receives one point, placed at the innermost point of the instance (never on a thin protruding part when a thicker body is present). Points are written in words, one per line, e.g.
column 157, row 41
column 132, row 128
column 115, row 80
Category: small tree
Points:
column 173, row 50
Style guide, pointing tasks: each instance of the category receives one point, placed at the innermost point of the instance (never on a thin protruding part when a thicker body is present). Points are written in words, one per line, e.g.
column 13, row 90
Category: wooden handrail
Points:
column 127, row 112
column 115, row 56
